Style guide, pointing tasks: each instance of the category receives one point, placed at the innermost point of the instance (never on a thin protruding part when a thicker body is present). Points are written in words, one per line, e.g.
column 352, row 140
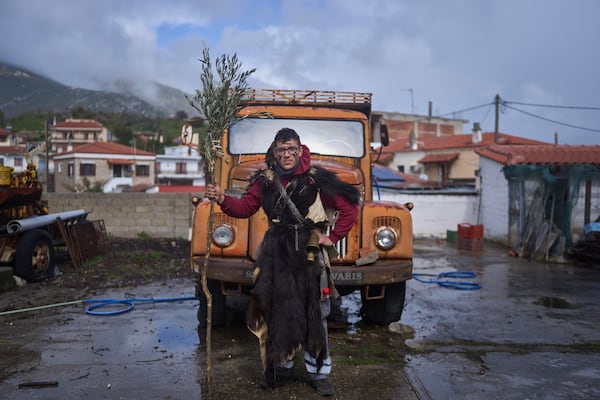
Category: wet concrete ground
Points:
column 149, row 352
column 530, row 332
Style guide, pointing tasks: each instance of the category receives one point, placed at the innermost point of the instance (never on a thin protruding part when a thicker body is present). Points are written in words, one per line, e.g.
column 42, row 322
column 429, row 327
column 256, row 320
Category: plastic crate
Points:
column 470, row 231
column 450, row 236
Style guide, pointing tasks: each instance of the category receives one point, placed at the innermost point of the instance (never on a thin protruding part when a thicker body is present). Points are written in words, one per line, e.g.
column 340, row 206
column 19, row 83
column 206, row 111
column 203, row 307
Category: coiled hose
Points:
column 442, row 280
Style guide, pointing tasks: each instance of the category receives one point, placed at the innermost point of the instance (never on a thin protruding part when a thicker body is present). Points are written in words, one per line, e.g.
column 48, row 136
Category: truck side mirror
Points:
column 384, row 135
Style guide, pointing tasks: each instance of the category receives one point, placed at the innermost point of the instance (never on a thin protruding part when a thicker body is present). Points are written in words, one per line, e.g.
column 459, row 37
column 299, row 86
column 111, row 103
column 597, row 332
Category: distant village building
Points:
column 449, row 159
column 71, row 132
column 106, row 167
column 403, row 126
column 180, row 165
column 11, row 153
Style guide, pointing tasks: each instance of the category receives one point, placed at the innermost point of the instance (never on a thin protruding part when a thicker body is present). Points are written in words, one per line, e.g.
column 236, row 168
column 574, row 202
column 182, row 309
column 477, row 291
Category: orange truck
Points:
column 376, row 255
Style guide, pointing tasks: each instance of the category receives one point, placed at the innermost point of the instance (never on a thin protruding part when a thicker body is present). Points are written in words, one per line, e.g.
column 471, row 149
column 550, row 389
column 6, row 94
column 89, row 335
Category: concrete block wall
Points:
column 169, row 215
column 434, row 214
column 494, row 201
column 128, row 215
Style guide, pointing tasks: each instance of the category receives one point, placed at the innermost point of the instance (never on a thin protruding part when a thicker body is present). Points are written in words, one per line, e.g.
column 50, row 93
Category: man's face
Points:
column 288, row 154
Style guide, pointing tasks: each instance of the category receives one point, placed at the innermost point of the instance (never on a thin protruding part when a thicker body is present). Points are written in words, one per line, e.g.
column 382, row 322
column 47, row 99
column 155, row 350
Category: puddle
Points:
column 553, row 302
column 350, row 307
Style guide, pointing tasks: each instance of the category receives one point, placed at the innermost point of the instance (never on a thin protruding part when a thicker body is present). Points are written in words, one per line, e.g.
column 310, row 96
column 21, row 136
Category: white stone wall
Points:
column 434, row 214
column 494, row 201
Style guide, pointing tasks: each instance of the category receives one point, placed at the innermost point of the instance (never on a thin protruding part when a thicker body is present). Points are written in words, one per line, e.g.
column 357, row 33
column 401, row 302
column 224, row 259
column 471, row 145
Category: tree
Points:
column 124, row 134
column 180, row 114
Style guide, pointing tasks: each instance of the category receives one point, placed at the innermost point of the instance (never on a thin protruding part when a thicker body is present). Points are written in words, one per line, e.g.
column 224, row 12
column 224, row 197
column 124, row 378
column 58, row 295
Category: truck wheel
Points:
column 34, row 257
column 219, row 309
column 388, row 309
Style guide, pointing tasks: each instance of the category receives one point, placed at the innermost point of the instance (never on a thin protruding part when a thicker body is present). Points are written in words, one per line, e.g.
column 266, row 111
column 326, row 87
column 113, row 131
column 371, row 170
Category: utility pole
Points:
column 496, row 130
column 47, row 155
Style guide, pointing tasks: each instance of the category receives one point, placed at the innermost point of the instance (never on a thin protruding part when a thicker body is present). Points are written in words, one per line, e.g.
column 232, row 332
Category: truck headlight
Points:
column 385, row 238
column 223, row 235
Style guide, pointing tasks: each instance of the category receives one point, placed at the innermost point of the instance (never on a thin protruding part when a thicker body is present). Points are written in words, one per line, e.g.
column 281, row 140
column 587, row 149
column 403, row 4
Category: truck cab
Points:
column 376, row 255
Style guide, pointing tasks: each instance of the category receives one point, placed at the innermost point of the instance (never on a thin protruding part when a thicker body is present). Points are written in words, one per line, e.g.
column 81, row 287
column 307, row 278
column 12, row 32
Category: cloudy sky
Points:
column 457, row 54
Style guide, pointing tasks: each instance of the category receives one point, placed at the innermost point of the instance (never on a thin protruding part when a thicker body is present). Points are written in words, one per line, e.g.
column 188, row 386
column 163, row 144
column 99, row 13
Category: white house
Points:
column 180, row 165
column 537, row 198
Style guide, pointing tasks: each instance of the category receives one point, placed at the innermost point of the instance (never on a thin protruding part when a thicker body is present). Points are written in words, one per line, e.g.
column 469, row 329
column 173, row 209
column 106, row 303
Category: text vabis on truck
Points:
column 376, row 255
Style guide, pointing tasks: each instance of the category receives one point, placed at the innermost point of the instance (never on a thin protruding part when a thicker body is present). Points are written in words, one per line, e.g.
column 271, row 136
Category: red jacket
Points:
column 251, row 201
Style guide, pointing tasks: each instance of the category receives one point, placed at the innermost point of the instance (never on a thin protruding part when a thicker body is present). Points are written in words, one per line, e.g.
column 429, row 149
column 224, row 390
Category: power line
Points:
column 554, row 106
column 425, row 118
column 550, row 120
column 467, row 109
column 507, row 104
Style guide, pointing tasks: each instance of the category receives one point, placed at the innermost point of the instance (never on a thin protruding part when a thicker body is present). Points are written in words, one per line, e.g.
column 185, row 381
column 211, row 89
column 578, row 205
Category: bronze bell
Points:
column 312, row 247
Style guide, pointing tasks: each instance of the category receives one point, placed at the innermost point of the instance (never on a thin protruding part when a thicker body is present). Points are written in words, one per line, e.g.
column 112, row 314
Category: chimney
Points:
column 476, row 133
column 412, row 139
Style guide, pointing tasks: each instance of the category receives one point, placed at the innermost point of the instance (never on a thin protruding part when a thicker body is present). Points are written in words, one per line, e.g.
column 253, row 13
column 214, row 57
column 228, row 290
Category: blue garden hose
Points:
column 460, row 285
column 128, row 304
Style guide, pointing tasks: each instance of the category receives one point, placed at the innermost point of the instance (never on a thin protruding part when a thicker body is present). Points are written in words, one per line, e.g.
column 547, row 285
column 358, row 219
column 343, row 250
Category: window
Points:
column 142, row 170
column 181, row 168
column 87, row 169
column 70, row 170
column 327, row 137
column 18, row 161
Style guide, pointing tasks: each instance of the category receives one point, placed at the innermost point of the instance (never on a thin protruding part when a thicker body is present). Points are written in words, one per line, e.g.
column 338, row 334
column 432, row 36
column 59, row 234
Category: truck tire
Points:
column 34, row 257
column 388, row 309
column 219, row 309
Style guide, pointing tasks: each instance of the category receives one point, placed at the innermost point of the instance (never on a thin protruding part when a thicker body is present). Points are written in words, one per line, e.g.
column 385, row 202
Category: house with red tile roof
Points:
column 447, row 160
column 103, row 166
column 73, row 132
column 12, row 154
column 539, row 198
column 9, row 138
column 14, row 157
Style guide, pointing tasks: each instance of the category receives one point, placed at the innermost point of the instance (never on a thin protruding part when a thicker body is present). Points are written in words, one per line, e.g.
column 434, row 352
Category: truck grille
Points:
column 341, row 246
column 392, row 222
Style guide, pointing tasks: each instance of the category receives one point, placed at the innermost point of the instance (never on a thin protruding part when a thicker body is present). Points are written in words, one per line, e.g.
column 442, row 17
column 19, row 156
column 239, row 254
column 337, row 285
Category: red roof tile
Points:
column 78, row 124
column 107, row 148
column 439, row 158
column 14, row 150
column 4, row 132
column 542, row 154
column 428, row 142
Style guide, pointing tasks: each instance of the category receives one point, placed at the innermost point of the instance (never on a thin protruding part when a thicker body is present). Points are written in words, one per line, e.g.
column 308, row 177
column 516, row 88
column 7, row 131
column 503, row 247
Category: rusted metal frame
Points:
column 73, row 250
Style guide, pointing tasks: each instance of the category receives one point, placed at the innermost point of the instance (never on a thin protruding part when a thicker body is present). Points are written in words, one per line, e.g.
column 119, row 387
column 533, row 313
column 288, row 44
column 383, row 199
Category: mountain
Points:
column 22, row 91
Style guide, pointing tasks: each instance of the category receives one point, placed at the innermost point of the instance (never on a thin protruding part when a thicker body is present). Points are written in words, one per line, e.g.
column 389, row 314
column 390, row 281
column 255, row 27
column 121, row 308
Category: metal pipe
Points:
column 21, row 225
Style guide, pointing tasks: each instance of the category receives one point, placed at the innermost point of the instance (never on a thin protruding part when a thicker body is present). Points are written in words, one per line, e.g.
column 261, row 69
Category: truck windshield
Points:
column 328, row 137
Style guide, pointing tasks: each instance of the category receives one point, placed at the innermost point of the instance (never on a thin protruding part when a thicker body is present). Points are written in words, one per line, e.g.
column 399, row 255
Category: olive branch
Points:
column 219, row 101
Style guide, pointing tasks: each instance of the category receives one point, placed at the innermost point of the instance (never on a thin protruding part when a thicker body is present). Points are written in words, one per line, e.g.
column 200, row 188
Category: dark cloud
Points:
column 456, row 54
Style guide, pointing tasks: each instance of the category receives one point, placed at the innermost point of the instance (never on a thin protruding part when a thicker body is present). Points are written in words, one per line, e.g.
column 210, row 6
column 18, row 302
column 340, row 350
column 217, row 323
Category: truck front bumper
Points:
column 379, row 273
